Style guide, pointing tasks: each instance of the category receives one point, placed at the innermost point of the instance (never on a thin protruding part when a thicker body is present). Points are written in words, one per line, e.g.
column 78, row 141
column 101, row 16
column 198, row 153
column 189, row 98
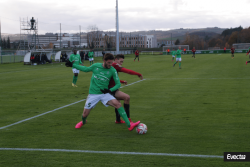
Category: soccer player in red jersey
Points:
column 193, row 50
column 249, row 55
column 136, row 55
column 232, row 52
column 119, row 95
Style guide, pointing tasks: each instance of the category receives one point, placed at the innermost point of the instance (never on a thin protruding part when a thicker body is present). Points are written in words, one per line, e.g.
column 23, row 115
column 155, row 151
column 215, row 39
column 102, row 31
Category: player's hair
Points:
column 119, row 56
column 108, row 56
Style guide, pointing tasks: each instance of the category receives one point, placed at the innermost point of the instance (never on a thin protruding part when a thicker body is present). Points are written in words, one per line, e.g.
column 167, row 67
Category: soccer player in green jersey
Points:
column 99, row 91
column 178, row 57
column 173, row 54
column 75, row 59
column 91, row 57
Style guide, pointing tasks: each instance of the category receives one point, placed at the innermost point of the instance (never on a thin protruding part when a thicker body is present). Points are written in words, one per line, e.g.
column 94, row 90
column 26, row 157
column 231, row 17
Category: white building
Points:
column 151, row 41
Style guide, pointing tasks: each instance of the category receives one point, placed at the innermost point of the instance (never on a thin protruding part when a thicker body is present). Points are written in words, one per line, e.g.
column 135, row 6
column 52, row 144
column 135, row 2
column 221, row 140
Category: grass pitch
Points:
column 201, row 109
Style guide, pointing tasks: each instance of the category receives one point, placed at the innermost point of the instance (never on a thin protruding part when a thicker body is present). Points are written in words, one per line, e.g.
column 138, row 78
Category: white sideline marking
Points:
column 55, row 109
column 132, row 83
column 194, row 78
column 40, row 114
column 114, row 152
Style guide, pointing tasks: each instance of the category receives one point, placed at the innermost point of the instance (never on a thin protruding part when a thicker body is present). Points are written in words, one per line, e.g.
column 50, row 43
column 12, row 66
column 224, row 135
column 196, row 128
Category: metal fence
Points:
column 11, row 56
column 124, row 52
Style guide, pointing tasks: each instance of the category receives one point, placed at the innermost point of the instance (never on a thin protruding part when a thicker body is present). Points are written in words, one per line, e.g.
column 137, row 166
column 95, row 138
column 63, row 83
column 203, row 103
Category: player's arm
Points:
column 131, row 72
column 123, row 82
column 248, row 52
column 83, row 68
column 80, row 60
column 70, row 58
column 117, row 81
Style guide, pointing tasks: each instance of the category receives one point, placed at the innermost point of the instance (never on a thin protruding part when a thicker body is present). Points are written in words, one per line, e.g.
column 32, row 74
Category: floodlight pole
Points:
column 0, row 36
column 1, row 43
column 171, row 41
column 117, row 29
column 60, row 38
column 80, row 36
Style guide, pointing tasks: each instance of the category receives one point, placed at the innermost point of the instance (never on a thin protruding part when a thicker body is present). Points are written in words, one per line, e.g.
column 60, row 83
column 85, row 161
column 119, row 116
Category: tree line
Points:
column 5, row 44
column 226, row 39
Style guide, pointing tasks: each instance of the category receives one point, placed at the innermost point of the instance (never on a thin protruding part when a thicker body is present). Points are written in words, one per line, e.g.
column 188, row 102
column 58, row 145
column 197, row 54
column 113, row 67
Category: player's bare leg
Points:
column 119, row 95
column 115, row 103
column 175, row 63
column 84, row 117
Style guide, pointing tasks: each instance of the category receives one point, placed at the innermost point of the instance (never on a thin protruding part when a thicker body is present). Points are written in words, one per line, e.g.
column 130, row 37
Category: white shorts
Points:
column 178, row 59
column 93, row 99
column 173, row 55
column 91, row 59
column 75, row 71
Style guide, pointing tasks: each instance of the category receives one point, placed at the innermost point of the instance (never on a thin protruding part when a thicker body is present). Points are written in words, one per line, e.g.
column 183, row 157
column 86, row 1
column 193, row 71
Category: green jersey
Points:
column 76, row 58
column 173, row 53
column 100, row 77
column 178, row 53
column 91, row 54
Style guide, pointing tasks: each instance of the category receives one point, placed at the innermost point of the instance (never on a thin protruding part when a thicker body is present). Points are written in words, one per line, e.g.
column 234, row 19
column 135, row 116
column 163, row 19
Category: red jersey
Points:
column 119, row 68
column 168, row 50
column 184, row 50
column 193, row 50
column 225, row 48
column 232, row 50
column 248, row 51
column 137, row 53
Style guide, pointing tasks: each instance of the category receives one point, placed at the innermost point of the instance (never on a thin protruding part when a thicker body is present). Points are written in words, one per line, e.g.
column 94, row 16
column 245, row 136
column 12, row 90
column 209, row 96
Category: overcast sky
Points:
column 134, row 15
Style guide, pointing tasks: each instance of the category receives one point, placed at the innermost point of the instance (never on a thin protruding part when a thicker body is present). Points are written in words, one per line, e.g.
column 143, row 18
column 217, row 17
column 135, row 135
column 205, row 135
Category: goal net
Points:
column 175, row 47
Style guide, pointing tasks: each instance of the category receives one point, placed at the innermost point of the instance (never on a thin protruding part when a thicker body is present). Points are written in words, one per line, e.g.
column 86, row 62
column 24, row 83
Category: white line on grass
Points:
column 41, row 114
column 55, row 109
column 192, row 78
column 132, row 83
column 112, row 152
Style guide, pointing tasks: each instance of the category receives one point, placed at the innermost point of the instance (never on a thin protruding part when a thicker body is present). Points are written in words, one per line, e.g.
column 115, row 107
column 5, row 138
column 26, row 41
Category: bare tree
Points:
column 92, row 36
column 194, row 41
column 109, row 40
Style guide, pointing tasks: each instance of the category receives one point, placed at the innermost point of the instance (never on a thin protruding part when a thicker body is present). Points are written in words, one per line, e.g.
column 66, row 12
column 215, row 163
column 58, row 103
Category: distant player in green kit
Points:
column 173, row 54
column 178, row 57
column 99, row 91
column 91, row 57
column 76, row 59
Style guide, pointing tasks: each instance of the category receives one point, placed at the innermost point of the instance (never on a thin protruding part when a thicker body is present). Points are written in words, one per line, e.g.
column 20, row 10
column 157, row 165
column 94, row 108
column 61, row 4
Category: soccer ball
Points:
column 141, row 129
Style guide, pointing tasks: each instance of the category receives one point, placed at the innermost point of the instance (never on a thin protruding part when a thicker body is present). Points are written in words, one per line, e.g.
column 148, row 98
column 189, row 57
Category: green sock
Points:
column 124, row 115
column 84, row 120
column 179, row 64
column 175, row 62
column 76, row 79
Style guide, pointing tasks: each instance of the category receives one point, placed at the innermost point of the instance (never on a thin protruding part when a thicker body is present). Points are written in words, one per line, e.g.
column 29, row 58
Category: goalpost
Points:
column 241, row 45
column 176, row 47
column 213, row 48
